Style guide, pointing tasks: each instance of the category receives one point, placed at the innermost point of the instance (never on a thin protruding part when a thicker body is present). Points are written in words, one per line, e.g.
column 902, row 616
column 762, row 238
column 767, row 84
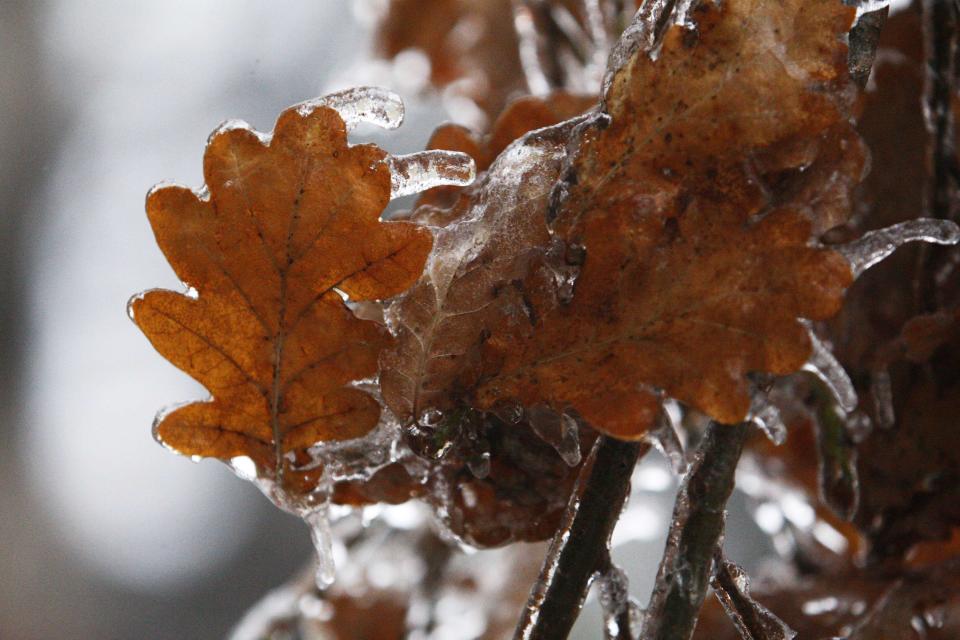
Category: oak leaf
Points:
column 698, row 258
column 286, row 229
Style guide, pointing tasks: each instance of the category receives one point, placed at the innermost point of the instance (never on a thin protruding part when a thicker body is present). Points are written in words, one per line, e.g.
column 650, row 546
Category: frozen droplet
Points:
column 766, row 416
column 480, row 465
column 824, row 365
column 882, row 390
column 418, row 172
column 372, row 105
column 244, row 467
column 664, row 437
column 510, row 411
column 875, row 246
column 319, row 522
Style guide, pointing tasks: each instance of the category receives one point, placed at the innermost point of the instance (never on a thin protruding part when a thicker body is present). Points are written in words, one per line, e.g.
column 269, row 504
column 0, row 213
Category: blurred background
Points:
column 103, row 534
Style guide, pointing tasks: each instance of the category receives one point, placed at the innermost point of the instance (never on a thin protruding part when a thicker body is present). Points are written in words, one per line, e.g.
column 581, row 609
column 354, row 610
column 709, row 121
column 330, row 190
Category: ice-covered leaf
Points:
column 286, row 229
column 694, row 211
column 496, row 240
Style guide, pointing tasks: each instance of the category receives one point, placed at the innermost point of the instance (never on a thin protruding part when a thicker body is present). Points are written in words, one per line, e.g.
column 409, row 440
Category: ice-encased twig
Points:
column 620, row 612
column 824, row 365
column 881, row 388
column 372, row 105
column 753, row 621
column 874, row 246
column 580, row 546
column 664, row 437
column 418, row 172
column 940, row 37
column 695, row 531
column 529, row 49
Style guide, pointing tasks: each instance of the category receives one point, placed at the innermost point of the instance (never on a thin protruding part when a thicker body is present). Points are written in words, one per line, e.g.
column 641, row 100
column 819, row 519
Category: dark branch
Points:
column 698, row 521
column 580, row 546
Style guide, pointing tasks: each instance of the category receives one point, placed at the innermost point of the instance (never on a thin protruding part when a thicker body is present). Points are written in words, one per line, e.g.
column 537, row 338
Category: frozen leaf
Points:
column 497, row 238
column 286, row 228
column 693, row 211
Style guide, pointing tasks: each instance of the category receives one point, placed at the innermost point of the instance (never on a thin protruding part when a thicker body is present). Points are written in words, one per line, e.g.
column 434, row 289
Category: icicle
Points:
column 824, row 365
column 766, row 416
column 319, row 522
column 560, row 431
column 372, row 105
column 754, row 621
column 569, row 448
column 882, row 391
column 418, row 172
column 664, row 437
column 875, row 246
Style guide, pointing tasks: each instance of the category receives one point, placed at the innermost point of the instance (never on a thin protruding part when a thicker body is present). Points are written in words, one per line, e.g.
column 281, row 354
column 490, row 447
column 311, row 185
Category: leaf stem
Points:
column 699, row 515
column 580, row 546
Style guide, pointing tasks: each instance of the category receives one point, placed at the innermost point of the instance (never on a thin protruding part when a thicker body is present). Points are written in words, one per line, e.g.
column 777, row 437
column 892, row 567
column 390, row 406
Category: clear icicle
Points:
column 319, row 522
column 372, row 105
column 418, row 172
column 766, row 416
column 875, row 246
column 529, row 49
column 752, row 620
column 664, row 437
column 569, row 448
column 882, row 391
column 824, row 365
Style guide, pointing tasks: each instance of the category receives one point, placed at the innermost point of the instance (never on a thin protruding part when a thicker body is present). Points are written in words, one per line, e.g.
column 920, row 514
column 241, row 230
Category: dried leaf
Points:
column 288, row 229
column 698, row 257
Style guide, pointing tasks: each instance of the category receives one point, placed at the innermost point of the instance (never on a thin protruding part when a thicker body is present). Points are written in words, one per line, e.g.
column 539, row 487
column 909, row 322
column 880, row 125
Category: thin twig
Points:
column 697, row 527
column 580, row 545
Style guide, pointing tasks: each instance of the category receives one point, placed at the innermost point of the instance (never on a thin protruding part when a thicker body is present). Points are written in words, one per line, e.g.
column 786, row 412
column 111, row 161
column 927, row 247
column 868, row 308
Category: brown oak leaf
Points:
column 287, row 228
column 698, row 243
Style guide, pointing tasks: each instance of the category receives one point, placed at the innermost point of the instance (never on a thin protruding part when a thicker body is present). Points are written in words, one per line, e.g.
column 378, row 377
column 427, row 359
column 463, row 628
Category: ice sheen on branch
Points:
column 731, row 585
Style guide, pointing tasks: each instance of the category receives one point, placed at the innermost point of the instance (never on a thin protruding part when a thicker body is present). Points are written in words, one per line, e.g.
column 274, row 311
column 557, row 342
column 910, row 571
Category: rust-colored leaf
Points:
column 694, row 211
column 288, row 227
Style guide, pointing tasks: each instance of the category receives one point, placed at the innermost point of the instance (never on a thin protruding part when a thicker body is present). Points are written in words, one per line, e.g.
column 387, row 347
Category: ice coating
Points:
column 766, row 416
column 560, row 431
column 617, row 605
column 418, row 172
column 824, row 365
column 372, row 105
column 866, row 6
column 732, row 588
column 457, row 299
column 876, row 245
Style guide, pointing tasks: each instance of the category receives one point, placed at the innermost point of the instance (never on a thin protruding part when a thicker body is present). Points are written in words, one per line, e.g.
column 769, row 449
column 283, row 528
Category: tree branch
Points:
column 697, row 528
column 580, row 546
